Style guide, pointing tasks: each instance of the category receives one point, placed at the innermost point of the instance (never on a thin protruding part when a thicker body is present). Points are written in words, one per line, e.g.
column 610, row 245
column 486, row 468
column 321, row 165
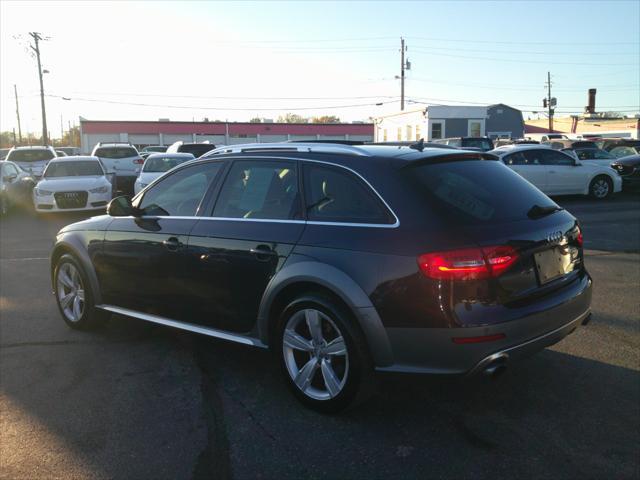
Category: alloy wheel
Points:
column 600, row 188
column 315, row 354
column 70, row 292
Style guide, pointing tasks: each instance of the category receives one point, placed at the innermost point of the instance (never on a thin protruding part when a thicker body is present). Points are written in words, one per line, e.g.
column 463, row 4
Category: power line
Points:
column 521, row 52
column 513, row 60
column 509, row 42
column 323, row 107
column 233, row 98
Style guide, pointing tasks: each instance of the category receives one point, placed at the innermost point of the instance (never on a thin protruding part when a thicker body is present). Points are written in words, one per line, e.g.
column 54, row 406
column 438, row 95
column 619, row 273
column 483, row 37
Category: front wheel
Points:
column 74, row 295
column 601, row 187
column 323, row 355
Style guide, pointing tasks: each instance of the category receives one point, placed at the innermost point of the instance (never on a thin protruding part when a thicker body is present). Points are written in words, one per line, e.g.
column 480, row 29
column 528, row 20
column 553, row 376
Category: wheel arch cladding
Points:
column 72, row 245
column 307, row 276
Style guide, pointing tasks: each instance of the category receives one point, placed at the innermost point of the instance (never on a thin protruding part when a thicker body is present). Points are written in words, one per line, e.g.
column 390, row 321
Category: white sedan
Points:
column 72, row 184
column 558, row 173
column 156, row 165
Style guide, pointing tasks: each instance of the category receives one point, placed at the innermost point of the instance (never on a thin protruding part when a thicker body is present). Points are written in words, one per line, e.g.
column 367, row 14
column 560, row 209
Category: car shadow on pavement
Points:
column 552, row 415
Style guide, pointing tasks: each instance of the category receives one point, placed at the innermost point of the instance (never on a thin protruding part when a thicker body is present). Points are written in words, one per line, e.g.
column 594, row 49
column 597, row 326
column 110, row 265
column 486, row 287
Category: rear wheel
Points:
column 4, row 207
column 323, row 356
column 601, row 187
column 74, row 295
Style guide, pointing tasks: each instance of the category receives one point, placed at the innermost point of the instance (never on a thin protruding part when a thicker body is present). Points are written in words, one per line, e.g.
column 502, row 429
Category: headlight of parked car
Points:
column 104, row 189
column 43, row 193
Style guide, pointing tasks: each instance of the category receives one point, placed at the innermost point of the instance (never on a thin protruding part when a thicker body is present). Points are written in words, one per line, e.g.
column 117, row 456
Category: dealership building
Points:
column 164, row 132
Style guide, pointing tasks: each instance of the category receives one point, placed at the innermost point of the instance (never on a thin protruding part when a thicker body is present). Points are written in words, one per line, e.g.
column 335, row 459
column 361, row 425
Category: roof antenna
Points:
column 419, row 145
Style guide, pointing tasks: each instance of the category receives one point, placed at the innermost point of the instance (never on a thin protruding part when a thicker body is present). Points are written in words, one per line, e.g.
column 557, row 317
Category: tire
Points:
column 328, row 380
column 4, row 206
column 74, row 295
column 601, row 187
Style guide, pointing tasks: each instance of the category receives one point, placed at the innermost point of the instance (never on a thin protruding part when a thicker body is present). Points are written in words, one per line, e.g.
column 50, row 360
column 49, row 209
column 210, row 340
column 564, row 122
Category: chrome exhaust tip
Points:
column 496, row 367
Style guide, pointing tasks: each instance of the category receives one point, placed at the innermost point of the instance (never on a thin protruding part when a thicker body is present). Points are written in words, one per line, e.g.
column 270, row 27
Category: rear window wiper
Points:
column 538, row 212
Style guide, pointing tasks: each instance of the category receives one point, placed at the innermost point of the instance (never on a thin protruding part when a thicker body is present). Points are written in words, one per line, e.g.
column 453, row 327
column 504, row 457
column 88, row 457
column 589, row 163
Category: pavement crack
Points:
column 213, row 461
column 250, row 415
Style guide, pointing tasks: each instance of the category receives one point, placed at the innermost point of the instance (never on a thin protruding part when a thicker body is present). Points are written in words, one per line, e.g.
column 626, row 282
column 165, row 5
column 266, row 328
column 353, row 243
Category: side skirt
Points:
column 211, row 332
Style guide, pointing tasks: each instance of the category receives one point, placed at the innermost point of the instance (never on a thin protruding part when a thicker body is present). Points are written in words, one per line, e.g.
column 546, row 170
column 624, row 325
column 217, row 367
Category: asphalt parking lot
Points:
column 137, row 401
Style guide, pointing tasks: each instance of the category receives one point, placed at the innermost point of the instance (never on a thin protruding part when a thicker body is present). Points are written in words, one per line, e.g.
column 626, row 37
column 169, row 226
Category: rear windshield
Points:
column 196, row 149
column 30, row 155
column 162, row 164
column 73, row 169
column 476, row 191
column 116, row 152
column 155, row 149
column 481, row 143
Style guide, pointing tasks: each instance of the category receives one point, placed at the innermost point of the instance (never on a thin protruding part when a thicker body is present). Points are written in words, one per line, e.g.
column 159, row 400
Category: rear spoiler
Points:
column 449, row 156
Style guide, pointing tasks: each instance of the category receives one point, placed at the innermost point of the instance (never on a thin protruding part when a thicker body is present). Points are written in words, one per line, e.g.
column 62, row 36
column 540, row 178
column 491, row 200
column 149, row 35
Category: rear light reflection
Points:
column 484, row 338
column 468, row 264
column 138, row 161
column 579, row 239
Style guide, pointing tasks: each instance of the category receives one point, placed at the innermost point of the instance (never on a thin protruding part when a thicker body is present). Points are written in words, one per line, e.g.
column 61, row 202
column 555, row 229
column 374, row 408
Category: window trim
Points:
column 367, row 186
column 216, row 190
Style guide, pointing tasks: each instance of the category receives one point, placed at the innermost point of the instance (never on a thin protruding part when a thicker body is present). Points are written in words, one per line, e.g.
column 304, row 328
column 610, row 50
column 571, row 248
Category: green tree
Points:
column 255, row 120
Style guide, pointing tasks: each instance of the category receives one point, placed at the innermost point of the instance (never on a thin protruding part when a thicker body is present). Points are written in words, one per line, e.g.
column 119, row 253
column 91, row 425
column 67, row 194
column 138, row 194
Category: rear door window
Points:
column 259, row 189
column 549, row 157
column 474, row 191
column 333, row 194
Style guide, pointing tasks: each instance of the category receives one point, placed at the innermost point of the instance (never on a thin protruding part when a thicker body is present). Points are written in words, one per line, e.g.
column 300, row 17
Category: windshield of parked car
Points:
column 163, row 164
column 481, row 143
column 73, row 169
column 116, row 152
column 197, row 149
column 30, row 155
column 476, row 191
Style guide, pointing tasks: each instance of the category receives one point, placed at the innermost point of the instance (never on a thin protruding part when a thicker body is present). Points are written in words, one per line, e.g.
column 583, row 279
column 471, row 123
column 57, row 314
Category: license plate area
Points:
column 555, row 262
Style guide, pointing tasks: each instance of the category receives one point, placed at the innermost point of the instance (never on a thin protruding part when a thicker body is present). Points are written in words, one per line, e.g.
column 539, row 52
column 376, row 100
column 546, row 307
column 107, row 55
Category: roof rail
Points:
column 112, row 143
column 290, row 147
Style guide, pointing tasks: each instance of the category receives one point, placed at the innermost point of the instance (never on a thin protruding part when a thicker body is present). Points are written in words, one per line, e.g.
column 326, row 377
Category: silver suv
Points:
column 32, row 159
column 121, row 160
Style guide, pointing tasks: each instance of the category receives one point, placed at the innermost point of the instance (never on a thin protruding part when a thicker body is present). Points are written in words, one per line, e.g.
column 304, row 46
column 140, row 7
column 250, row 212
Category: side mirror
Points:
column 121, row 207
column 9, row 178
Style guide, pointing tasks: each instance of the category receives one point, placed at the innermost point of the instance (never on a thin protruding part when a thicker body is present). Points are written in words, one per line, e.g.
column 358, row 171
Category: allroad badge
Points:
column 554, row 237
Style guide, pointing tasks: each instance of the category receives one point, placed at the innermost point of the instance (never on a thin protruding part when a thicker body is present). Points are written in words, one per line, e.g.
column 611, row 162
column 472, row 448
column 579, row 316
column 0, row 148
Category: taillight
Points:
column 138, row 161
column 579, row 239
column 468, row 264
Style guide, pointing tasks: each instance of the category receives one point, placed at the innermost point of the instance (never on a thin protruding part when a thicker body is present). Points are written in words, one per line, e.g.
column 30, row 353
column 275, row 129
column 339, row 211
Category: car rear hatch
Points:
column 121, row 161
column 521, row 245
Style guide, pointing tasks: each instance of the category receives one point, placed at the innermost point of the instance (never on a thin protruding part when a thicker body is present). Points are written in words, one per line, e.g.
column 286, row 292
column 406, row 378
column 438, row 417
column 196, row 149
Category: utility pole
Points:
column 61, row 130
column 36, row 38
column 15, row 91
column 70, row 135
column 402, row 65
column 549, row 102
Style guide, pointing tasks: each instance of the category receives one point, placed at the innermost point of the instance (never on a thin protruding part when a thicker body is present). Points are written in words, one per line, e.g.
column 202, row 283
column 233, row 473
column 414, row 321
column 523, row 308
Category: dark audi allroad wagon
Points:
column 341, row 259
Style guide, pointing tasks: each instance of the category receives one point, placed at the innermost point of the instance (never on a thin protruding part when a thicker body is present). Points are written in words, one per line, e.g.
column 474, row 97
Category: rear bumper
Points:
column 432, row 350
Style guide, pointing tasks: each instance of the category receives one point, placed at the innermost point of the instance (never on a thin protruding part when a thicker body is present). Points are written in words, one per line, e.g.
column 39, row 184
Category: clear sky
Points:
column 234, row 60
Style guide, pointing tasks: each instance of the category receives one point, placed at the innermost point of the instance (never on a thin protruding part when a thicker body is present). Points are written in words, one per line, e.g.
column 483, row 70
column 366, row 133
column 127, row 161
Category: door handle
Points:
column 172, row 244
column 263, row 252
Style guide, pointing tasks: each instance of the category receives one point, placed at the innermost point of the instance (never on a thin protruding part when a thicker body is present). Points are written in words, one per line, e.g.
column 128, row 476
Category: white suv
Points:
column 122, row 160
column 33, row 159
column 558, row 173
